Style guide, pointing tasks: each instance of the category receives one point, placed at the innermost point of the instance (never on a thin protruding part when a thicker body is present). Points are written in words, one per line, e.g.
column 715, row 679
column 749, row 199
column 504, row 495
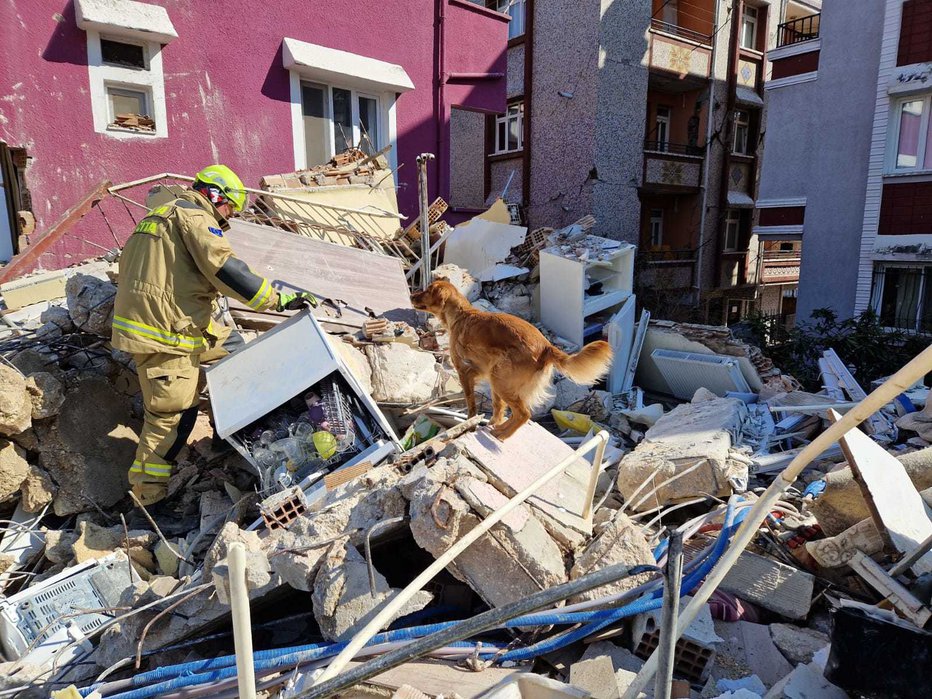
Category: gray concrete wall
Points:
column 514, row 77
column 833, row 118
column 467, row 158
column 566, row 41
column 620, row 109
column 499, row 173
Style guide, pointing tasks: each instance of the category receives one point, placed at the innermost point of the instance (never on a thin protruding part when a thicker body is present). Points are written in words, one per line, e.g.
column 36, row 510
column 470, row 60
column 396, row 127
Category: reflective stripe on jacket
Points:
column 171, row 269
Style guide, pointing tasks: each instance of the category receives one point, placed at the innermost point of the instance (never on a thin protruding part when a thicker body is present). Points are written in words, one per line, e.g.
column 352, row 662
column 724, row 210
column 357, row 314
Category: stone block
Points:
column 693, row 437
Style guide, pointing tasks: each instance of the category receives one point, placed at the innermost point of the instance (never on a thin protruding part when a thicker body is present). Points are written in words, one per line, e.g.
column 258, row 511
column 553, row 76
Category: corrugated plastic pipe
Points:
column 885, row 393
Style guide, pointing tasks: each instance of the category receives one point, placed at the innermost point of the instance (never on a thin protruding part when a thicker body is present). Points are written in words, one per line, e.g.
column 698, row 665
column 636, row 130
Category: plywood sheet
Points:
column 359, row 278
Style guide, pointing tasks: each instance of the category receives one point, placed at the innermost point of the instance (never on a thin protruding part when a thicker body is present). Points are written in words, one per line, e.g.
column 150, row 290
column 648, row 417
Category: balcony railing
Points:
column 676, row 148
column 798, row 30
column 681, row 32
column 781, row 255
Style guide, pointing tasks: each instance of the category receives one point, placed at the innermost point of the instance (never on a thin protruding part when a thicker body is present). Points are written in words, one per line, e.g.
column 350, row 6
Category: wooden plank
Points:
column 893, row 592
column 27, row 259
column 774, row 586
column 359, row 278
column 895, row 505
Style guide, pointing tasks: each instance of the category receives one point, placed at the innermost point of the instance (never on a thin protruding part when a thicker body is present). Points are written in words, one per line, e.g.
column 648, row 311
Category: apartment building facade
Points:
column 117, row 90
column 857, row 189
column 647, row 115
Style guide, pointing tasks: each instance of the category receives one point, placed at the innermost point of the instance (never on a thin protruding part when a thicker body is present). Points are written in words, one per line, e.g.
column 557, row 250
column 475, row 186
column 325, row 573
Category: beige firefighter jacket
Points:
column 171, row 269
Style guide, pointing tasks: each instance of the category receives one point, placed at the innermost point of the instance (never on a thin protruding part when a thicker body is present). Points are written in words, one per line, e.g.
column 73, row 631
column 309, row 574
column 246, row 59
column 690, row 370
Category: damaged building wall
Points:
column 237, row 110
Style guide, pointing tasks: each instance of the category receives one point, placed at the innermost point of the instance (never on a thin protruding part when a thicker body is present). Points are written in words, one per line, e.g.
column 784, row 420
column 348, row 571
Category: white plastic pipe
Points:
column 886, row 392
column 398, row 601
column 242, row 627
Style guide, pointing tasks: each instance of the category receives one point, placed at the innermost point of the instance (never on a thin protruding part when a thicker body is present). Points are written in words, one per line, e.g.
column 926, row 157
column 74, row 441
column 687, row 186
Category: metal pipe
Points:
column 242, row 628
column 673, row 577
column 470, row 627
column 395, row 603
column 425, row 216
column 890, row 389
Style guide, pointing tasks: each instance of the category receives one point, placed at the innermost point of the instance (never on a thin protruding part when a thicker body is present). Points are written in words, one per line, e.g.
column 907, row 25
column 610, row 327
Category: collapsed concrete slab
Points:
column 618, row 540
column 88, row 452
column 690, row 448
column 343, row 600
column 517, row 557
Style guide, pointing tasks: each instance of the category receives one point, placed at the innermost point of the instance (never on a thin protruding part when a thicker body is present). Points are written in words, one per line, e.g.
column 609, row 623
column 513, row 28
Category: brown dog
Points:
column 515, row 358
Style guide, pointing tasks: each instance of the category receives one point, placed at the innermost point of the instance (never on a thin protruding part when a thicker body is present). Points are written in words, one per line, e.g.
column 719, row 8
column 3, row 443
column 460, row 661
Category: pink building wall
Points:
column 227, row 94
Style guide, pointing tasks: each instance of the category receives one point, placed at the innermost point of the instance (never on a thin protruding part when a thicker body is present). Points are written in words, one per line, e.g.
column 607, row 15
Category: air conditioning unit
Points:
column 40, row 621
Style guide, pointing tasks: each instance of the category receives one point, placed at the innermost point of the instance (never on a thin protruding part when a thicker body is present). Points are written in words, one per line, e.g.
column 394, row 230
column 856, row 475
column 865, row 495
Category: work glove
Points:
column 294, row 302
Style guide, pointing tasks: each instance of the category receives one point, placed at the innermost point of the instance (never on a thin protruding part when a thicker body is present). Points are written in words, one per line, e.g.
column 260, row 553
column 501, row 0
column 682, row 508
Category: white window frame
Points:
column 517, row 10
column 732, row 216
column 385, row 132
column 893, row 141
column 150, row 81
column 656, row 228
column 746, row 123
column 515, row 112
column 663, row 120
column 749, row 16
column 877, row 294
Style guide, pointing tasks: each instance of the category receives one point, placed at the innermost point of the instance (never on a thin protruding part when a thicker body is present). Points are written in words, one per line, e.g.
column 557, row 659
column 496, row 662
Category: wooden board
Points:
column 896, row 506
column 359, row 278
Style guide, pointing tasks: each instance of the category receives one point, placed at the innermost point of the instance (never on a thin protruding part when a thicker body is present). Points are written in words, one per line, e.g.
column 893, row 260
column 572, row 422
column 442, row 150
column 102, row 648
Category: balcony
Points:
column 679, row 52
column 672, row 168
column 798, row 30
column 780, row 267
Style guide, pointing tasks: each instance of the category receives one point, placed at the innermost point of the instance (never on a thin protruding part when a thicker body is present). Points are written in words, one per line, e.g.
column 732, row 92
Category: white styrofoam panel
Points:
column 621, row 338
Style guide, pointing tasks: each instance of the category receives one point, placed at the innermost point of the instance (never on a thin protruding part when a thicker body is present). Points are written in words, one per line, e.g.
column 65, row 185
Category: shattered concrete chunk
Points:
column 693, row 437
column 465, row 283
column 357, row 363
column 37, row 490
column 596, row 676
column 47, row 394
column 626, row 664
column 166, row 560
column 15, row 402
column 343, row 602
column 14, row 469
column 798, row 644
column 90, row 303
column 748, row 649
column 516, row 558
column 87, row 452
column 702, row 394
column 59, row 545
column 401, row 374
column 619, row 541
column 32, row 360
column 58, row 316
column 258, row 572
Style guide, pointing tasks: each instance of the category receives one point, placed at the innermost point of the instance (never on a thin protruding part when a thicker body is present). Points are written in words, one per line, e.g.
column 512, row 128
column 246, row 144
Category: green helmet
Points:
column 225, row 180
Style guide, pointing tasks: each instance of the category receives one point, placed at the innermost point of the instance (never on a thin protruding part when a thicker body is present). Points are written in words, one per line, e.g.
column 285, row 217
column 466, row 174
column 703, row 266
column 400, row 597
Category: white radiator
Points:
column 685, row 372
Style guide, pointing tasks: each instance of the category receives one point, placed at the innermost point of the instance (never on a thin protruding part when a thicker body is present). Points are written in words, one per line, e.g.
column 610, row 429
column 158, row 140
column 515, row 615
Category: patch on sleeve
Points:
column 216, row 231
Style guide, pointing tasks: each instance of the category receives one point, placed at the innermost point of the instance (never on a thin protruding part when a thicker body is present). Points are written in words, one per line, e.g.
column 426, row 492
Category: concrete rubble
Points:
column 331, row 541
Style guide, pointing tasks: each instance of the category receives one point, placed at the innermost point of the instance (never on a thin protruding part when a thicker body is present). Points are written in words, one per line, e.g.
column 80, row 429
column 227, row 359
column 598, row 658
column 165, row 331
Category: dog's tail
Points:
column 586, row 366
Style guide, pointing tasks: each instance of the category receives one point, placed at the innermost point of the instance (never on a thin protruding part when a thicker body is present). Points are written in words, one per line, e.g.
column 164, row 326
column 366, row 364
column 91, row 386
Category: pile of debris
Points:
column 356, row 468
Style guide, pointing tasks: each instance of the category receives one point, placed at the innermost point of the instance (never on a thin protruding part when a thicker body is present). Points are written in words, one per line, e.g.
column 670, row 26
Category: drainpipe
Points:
column 442, row 168
column 697, row 282
column 736, row 7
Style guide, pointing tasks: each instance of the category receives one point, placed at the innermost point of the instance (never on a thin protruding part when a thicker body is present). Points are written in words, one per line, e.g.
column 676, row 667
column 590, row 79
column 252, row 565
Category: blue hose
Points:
column 176, row 677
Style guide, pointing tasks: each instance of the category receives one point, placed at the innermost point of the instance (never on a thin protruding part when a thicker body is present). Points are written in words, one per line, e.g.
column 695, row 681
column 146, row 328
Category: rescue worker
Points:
column 171, row 270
